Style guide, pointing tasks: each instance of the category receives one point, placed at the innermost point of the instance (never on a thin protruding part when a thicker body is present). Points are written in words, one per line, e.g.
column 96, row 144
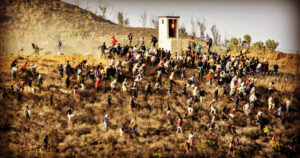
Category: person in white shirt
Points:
column 111, row 62
column 105, row 122
column 246, row 108
column 288, row 103
column 124, row 84
column 252, row 99
column 195, row 93
column 14, row 72
column 113, row 84
column 271, row 103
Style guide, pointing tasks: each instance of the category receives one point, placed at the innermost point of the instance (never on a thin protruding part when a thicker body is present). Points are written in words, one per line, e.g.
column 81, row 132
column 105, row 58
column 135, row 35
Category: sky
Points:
column 261, row 19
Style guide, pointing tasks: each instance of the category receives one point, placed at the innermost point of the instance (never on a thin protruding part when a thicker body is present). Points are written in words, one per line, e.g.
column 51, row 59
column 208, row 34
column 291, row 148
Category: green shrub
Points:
column 271, row 44
column 156, row 155
column 276, row 146
column 258, row 45
column 210, row 142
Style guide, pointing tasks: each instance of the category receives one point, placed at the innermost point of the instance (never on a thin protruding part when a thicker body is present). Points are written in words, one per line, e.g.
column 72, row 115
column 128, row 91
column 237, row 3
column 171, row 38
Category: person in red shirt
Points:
column 179, row 123
column 24, row 66
column 113, row 40
column 97, row 84
column 22, row 85
column 218, row 71
column 210, row 80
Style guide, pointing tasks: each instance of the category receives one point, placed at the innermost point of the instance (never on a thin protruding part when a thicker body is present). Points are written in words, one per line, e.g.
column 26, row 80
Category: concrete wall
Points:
column 163, row 38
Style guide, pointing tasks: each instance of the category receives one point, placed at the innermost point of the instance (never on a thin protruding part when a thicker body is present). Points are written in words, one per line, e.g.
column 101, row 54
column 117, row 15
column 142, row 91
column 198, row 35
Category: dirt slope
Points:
column 44, row 22
column 157, row 131
column 289, row 63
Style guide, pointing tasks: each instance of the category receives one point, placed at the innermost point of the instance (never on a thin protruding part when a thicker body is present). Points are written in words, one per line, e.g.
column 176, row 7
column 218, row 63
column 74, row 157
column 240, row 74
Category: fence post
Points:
column 296, row 76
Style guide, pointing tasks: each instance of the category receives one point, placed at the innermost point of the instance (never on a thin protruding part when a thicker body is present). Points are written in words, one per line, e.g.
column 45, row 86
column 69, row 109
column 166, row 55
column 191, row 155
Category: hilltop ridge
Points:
column 44, row 22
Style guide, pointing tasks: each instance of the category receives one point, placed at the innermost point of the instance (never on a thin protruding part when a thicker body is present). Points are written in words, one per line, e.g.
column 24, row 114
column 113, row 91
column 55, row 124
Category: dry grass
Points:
column 84, row 136
column 45, row 22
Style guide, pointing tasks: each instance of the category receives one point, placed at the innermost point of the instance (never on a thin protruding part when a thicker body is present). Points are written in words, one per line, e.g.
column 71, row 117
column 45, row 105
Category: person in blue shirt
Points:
column 59, row 44
column 198, row 48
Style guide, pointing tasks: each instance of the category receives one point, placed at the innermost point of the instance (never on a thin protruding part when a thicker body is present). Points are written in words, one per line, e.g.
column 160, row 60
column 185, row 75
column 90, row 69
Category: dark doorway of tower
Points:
column 172, row 28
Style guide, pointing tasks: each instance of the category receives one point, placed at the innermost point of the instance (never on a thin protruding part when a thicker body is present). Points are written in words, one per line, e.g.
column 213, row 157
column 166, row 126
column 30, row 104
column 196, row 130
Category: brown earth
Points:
column 289, row 63
column 44, row 22
column 157, row 131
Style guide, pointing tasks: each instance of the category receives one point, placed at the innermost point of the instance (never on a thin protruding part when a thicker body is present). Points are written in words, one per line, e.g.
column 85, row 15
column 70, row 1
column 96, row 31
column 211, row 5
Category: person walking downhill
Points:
column 59, row 44
column 210, row 79
column 30, row 88
column 168, row 110
column 190, row 109
column 133, row 124
column 70, row 115
column 271, row 103
column 202, row 95
column 45, row 142
column 27, row 113
column 195, row 94
column 179, row 124
column 22, row 86
column 130, row 38
column 68, row 82
column 246, row 109
column 187, row 146
column 113, row 85
column 216, row 93
column 82, row 82
column 34, row 69
column 14, row 72
column 124, row 86
column 105, row 122
column 40, row 81
column 61, row 71
column 122, row 129
column 212, row 109
column 131, row 102
column 288, row 104
column 109, row 100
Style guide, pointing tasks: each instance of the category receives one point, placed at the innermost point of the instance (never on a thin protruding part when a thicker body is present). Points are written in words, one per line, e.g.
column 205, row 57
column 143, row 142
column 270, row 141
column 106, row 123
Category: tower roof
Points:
column 169, row 17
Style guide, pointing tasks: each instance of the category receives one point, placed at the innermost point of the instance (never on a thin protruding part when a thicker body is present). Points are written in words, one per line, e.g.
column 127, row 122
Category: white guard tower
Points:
column 168, row 32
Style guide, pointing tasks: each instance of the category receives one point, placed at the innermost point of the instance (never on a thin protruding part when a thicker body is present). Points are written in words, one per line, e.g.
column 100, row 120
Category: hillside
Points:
column 44, row 22
column 289, row 63
column 156, row 135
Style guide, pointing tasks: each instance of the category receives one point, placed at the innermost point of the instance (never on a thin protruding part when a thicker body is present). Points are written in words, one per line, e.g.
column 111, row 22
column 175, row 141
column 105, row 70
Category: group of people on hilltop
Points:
column 226, row 75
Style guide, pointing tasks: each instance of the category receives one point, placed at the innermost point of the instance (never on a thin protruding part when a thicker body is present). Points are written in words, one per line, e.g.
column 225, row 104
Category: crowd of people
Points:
column 215, row 74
